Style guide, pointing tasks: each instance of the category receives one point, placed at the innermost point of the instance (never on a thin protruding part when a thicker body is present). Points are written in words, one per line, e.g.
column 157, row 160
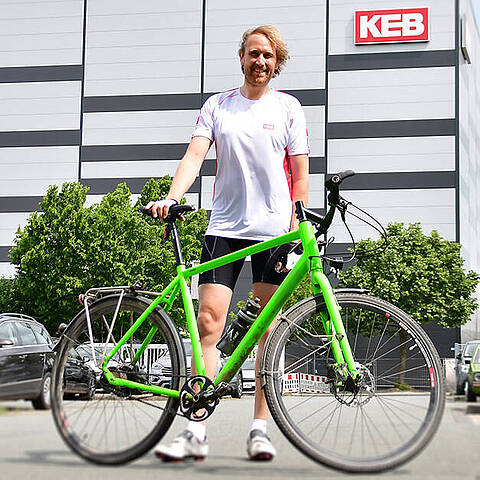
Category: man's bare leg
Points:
column 259, row 446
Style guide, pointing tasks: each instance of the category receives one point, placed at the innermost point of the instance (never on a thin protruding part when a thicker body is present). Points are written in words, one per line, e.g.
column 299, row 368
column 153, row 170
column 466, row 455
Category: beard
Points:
column 257, row 77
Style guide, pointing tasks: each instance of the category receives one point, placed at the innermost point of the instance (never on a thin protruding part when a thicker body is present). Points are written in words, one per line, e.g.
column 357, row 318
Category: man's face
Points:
column 259, row 60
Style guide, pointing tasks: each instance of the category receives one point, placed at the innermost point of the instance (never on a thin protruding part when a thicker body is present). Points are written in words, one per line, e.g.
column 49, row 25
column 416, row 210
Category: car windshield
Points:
column 86, row 351
column 477, row 356
column 470, row 349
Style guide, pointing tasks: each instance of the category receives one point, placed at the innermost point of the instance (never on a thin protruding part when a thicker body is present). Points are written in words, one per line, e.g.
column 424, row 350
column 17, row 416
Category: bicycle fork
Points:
column 332, row 320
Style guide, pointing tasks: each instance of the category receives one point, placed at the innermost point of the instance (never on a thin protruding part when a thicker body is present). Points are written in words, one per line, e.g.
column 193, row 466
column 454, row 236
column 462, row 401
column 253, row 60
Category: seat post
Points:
column 177, row 248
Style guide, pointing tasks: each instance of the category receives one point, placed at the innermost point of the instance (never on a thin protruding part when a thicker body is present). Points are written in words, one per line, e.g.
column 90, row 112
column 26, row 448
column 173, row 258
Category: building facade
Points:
column 108, row 91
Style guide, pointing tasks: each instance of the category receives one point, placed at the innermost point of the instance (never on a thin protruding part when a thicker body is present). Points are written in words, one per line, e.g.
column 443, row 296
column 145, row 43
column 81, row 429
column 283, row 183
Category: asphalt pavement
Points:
column 31, row 448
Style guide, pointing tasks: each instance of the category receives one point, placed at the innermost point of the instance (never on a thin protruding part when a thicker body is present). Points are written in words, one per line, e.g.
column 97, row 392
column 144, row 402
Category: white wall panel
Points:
column 302, row 25
column 41, row 33
column 396, row 94
column 433, row 208
column 442, row 25
column 9, row 223
column 117, row 128
column 469, row 169
column 316, row 190
column 207, row 192
column 7, row 270
column 30, row 171
column 40, row 106
column 402, row 154
column 315, row 117
column 146, row 47
column 125, row 169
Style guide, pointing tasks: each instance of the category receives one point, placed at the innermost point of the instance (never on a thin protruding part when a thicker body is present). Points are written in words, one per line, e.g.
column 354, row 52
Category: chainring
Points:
column 198, row 398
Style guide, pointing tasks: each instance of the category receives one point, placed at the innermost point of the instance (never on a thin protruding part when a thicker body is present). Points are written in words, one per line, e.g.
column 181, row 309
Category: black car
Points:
column 26, row 359
column 79, row 378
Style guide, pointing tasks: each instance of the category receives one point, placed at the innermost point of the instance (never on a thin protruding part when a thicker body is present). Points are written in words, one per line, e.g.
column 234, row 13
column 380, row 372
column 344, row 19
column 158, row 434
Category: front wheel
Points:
column 392, row 412
column 117, row 424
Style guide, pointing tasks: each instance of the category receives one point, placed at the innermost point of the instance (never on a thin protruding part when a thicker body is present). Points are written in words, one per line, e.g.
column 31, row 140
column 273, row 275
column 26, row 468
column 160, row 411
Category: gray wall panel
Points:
column 469, row 155
column 9, row 222
column 175, row 126
column 435, row 209
column 400, row 94
column 302, row 25
column 143, row 47
column 29, row 171
column 126, row 169
column 39, row 106
column 403, row 154
column 41, row 33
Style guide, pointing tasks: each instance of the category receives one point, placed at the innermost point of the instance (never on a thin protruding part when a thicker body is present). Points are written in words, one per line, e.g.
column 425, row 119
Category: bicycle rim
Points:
column 398, row 407
column 114, row 425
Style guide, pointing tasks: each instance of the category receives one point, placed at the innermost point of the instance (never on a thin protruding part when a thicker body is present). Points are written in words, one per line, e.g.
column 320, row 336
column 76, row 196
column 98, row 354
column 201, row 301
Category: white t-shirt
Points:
column 252, row 190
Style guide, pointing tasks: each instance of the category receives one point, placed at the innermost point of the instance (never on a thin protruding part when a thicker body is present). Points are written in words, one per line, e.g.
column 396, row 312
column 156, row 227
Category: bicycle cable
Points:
column 343, row 205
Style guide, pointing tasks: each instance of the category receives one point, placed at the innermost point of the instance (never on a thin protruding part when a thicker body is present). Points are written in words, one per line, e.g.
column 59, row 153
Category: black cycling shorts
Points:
column 227, row 275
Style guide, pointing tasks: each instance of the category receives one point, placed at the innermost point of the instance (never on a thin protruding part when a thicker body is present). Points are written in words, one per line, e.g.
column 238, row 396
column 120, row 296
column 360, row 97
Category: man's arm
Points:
column 185, row 175
column 299, row 168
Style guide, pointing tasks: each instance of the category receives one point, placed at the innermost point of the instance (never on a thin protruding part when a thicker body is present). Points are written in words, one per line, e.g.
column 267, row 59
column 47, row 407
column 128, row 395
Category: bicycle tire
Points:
column 394, row 433
column 118, row 425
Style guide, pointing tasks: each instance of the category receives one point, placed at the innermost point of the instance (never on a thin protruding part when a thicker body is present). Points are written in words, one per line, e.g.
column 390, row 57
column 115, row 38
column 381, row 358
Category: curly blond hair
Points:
column 275, row 38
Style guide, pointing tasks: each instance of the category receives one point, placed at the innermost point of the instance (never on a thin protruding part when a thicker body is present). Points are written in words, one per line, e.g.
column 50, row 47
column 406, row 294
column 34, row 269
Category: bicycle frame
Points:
column 309, row 262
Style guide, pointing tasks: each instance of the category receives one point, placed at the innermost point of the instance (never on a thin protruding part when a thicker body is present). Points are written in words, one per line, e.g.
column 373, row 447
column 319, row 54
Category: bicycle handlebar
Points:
column 333, row 187
column 174, row 211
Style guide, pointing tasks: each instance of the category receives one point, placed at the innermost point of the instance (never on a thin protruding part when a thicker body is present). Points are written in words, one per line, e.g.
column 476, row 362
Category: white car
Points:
column 161, row 370
column 248, row 374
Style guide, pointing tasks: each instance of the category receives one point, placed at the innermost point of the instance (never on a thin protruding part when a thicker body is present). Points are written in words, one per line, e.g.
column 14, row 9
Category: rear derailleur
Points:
column 125, row 372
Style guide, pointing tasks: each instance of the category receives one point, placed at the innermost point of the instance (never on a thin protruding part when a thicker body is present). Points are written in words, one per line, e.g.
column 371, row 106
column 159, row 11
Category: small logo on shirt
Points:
column 268, row 126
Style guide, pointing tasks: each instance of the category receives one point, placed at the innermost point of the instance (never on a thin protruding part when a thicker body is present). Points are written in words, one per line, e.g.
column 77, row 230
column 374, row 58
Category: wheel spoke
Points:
column 118, row 423
column 366, row 423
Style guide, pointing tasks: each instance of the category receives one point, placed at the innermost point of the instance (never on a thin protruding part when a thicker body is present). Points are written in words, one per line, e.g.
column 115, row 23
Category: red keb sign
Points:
column 392, row 26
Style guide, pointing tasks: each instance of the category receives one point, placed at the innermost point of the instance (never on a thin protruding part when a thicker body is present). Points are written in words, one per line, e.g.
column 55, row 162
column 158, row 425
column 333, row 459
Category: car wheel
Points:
column 238, row 391
column 92, row 388
column 460, row 389
column 469, row 395
column 42, row 402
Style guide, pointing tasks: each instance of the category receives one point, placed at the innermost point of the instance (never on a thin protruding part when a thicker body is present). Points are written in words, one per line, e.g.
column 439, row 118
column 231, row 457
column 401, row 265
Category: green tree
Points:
column 8, row 295
column 70, row 248
column 421, row 274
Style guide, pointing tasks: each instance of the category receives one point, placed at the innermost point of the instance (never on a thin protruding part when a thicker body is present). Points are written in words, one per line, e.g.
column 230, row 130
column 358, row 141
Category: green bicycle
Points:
column 351, row 380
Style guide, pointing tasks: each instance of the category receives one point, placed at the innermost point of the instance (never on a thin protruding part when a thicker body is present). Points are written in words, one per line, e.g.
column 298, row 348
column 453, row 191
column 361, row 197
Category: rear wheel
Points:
column 117, row 424
column 392, row 412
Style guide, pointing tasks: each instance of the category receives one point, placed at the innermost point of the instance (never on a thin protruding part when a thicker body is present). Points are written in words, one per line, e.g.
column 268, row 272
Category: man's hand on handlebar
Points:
column 160, row 208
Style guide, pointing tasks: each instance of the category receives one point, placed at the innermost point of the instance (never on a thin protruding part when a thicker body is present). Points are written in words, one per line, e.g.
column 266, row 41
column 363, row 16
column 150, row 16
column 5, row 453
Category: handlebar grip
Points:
column 145, row 211
column 338, row 178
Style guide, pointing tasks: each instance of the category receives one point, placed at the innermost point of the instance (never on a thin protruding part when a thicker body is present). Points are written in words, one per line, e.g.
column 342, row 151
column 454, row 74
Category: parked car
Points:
column 161, row 370
column 462, row 365
column 248, row 372
column 26, row 360
column 80, row 380
column 472, row 388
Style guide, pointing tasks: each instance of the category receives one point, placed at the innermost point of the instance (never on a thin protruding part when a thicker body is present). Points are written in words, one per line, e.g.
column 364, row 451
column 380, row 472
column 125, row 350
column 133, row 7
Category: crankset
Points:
column 198, row 398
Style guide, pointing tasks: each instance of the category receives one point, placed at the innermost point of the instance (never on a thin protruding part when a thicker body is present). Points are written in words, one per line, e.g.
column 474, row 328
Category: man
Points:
column 262, row 169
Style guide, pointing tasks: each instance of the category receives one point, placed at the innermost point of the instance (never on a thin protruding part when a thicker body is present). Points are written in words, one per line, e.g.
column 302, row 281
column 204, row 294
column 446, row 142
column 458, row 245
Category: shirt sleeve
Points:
column 297, row 131
column 204, row 125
